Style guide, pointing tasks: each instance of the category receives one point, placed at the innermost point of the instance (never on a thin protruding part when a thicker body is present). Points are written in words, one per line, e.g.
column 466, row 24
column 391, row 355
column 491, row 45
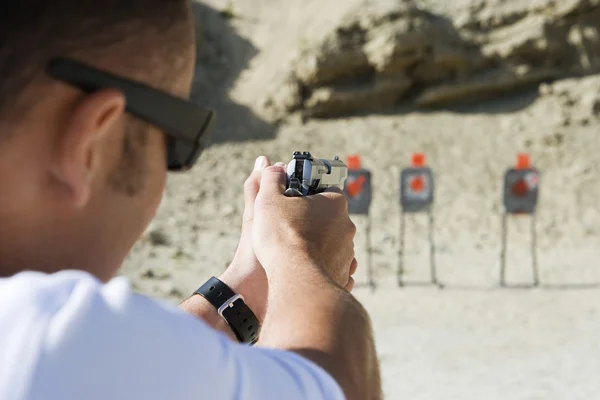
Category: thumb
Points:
column 273, row 180
column 252, row 186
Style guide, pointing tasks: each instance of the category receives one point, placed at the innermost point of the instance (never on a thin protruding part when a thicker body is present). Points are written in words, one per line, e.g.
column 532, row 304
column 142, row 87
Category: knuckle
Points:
column 340, row 200
column 352, row 228
column 251, row 181
column 267, row 174
column 343, row 200
column 273, row 170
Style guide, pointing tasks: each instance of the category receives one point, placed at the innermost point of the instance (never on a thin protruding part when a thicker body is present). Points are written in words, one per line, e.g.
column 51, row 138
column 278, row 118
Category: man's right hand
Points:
column 305, row 244
column 303, row 231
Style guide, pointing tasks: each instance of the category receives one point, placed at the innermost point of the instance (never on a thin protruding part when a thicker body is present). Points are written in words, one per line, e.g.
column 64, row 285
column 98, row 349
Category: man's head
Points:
column 80, row 178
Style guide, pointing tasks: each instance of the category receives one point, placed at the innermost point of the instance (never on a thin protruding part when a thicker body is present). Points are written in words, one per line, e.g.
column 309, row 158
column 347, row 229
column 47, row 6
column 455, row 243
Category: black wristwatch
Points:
column 232, row 308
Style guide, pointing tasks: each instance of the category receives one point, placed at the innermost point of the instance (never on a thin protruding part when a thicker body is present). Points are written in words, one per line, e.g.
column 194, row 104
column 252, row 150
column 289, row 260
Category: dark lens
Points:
column 182, row 154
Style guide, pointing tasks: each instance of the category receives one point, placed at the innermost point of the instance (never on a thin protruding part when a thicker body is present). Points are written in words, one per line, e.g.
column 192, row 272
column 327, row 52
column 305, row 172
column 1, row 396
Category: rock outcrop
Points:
column 386, row 52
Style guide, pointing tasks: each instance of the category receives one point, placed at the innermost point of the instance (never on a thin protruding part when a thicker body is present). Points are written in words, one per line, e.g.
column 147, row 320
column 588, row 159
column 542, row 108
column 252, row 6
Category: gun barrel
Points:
column 338, row 172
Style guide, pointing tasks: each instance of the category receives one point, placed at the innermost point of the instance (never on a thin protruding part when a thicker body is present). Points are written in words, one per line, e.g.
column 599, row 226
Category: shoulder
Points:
column 58, row 308
column 37, row 312
column 41, row 295
column 70, row 333
column 71, row 303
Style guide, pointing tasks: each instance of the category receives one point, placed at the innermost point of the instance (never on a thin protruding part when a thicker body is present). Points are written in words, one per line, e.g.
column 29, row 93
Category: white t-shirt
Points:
column 68, row 336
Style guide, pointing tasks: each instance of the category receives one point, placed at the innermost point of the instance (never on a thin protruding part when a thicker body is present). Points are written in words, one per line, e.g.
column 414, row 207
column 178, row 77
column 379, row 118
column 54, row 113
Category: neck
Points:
column 50, row 256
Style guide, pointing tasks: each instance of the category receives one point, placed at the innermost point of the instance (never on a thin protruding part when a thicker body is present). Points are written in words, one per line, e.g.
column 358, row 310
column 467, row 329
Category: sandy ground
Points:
column 472, row 340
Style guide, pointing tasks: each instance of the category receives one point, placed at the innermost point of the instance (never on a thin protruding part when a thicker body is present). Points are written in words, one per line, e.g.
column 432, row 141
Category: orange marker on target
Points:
column 418, row 160
column 523, row 161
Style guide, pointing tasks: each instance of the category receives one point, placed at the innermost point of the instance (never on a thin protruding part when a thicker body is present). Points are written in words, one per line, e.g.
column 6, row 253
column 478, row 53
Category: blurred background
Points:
column 469, row 83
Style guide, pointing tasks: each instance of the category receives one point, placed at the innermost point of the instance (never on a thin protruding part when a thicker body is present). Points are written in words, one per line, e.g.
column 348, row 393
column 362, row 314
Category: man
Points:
column 91, row 115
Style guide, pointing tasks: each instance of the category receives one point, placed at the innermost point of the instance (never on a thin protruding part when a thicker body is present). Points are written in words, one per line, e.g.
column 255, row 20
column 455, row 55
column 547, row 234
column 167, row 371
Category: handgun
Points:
column 308, row 175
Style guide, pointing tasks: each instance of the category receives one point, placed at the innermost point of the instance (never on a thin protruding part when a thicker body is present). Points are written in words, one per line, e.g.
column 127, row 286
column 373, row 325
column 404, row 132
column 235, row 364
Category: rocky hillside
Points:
column 386, row 52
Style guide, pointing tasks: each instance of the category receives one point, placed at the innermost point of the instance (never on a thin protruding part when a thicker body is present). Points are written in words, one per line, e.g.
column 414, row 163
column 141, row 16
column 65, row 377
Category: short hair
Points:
column 139, row 34
column 146, row 40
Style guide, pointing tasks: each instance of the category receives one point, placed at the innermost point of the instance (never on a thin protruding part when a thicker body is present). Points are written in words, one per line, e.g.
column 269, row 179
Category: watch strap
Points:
column 233, row 308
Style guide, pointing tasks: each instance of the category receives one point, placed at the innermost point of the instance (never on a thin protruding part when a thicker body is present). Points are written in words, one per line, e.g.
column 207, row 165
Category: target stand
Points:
column 416, row 197
column 358, row 189
column 521, row 191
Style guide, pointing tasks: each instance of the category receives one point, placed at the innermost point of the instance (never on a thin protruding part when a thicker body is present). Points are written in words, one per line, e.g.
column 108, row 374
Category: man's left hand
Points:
column 245, row 275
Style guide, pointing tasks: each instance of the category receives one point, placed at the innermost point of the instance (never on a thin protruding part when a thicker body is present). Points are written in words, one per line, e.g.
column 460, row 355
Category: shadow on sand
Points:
column 222, row 56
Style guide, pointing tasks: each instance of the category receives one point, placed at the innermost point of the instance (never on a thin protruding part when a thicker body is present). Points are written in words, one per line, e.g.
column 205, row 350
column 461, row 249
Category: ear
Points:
column 77, row 154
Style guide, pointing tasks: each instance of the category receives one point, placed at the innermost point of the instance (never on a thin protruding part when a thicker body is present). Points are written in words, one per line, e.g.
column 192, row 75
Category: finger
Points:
column 281, row 166
column 350, row 285
column 353, row 267
column 252, row 186
column 261, row 163
column 273, row 181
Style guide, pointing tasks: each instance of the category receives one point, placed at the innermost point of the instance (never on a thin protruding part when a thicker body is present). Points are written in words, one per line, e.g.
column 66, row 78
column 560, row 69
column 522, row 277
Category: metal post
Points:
column 534, row 261
column 370, row 271
column 504, row 234
column 400, row 272
column 433, row 266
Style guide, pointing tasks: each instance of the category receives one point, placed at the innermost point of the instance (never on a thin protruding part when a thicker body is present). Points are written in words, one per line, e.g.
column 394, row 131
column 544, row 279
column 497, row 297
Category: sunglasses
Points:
column 187, row 126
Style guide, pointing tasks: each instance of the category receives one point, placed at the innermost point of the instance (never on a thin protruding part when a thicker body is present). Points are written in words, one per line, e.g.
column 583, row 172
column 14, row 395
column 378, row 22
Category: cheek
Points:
column 154, row 178
column 157, row 169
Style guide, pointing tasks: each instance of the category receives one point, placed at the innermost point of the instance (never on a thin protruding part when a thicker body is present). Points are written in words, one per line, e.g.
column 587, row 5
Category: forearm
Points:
column 248, row 284
column 199, row 307
column 322, row 322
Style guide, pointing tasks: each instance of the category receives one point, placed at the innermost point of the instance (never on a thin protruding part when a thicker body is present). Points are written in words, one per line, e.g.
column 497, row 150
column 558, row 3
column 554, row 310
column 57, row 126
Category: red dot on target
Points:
column 520, row 188
column 417, row 184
